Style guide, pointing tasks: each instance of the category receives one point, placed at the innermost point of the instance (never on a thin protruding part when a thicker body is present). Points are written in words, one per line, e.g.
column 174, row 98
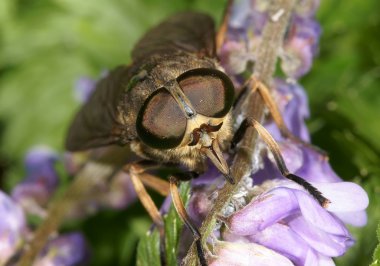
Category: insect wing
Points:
column 187, row 31
column 96, row 123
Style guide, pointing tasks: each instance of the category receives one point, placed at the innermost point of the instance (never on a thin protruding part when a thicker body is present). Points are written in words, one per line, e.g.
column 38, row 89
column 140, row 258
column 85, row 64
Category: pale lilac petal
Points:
column 12, row 228
column 199, row 205
column 239, row 14
column 316, row 168
column 318, row 216
column 246, row 254
column 344, row 196
column 307, row 8
column 74, row 161
column 263, row 212
column 307, row 29
column 297, row 58
column 285, row 241
column 311, row 258
column 292, row 154
column 84, row 87
column 358, row 218
column 297, row 111
column 120, row 192
column 68, row 250
column 325, row 261
column 32, row 197
column 39, row 163
column 40, row 182
column 293, row 105
column 318, row 239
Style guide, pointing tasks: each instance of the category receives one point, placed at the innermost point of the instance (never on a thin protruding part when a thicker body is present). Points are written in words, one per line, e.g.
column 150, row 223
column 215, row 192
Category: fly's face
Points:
column 190, row 113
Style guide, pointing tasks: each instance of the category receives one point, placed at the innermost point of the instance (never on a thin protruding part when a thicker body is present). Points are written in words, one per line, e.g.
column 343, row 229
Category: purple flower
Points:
column 12, row 228
column 301, row 45
column 307, row 8
column 120, row 192
column 292, row 102
column 247, row 254
column 66, row 250
column 40, row 182
column 287, row 212
column 84, row 87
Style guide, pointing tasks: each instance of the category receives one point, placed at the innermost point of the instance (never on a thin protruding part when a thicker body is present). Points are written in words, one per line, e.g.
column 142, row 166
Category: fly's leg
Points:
column 274, row 148
column 221, row 35
column 276, row 114
column 138, row 178
column 159, row 185
column 180, row 208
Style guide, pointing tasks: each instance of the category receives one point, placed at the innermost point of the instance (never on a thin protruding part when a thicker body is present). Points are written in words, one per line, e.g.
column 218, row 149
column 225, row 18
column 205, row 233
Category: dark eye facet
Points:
column 160, row 122
column 210, row 91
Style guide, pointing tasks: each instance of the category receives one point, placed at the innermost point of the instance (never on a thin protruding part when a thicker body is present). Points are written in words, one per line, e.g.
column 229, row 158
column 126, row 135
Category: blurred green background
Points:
column 45, row 46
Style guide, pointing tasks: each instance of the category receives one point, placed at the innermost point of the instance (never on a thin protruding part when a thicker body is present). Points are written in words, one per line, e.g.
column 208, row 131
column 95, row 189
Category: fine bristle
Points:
column 230, row 179
column 324, row 202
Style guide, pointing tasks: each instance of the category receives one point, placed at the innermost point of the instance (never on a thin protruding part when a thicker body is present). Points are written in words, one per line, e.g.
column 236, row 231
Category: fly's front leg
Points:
column 221, row 35
column 274, row 148
column 180, row 208
column 138, row 178
column 254, row 85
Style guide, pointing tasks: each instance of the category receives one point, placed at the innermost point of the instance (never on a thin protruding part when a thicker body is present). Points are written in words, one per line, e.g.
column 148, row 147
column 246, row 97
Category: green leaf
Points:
column 148, row 247
column 148, row 253
column 376, row 254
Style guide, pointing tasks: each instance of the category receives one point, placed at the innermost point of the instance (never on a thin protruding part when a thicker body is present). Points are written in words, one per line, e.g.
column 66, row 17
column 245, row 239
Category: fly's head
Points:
column 190, row 116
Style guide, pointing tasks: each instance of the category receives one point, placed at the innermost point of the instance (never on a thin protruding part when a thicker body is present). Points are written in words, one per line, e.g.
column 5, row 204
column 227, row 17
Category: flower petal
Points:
column 40, row 181
column 262, row 212
column 245, row 254
column 12, row 227
column 325, row 261
column 317, row 216
column 285, row 241
column 316, row 168
column 69, row 250
column 344, row 196
column 318, row 239
column 353, row 218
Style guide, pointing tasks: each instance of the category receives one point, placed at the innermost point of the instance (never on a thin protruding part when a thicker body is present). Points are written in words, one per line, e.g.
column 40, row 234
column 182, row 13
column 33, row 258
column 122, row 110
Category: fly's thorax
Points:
column 170, row 67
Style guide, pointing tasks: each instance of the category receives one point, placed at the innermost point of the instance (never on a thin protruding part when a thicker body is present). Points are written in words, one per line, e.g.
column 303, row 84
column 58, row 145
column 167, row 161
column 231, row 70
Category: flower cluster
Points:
column 271, row 220
column 31, row 197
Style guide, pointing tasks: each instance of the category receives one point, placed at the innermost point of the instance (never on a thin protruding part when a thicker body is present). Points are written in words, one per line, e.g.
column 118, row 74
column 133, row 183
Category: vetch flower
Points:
column 120, row 192
column 84, row 87
column 65, row 250
column 300, row 47
column 307, row 8
column 292, row 102
column 12, row 228
column 286, row 204
column 40, row 182
column 241, row 254
column 280, row 211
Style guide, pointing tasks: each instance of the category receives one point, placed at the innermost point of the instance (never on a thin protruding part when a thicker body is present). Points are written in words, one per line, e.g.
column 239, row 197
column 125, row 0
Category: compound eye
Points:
column 160, row 122
column 210, row 91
